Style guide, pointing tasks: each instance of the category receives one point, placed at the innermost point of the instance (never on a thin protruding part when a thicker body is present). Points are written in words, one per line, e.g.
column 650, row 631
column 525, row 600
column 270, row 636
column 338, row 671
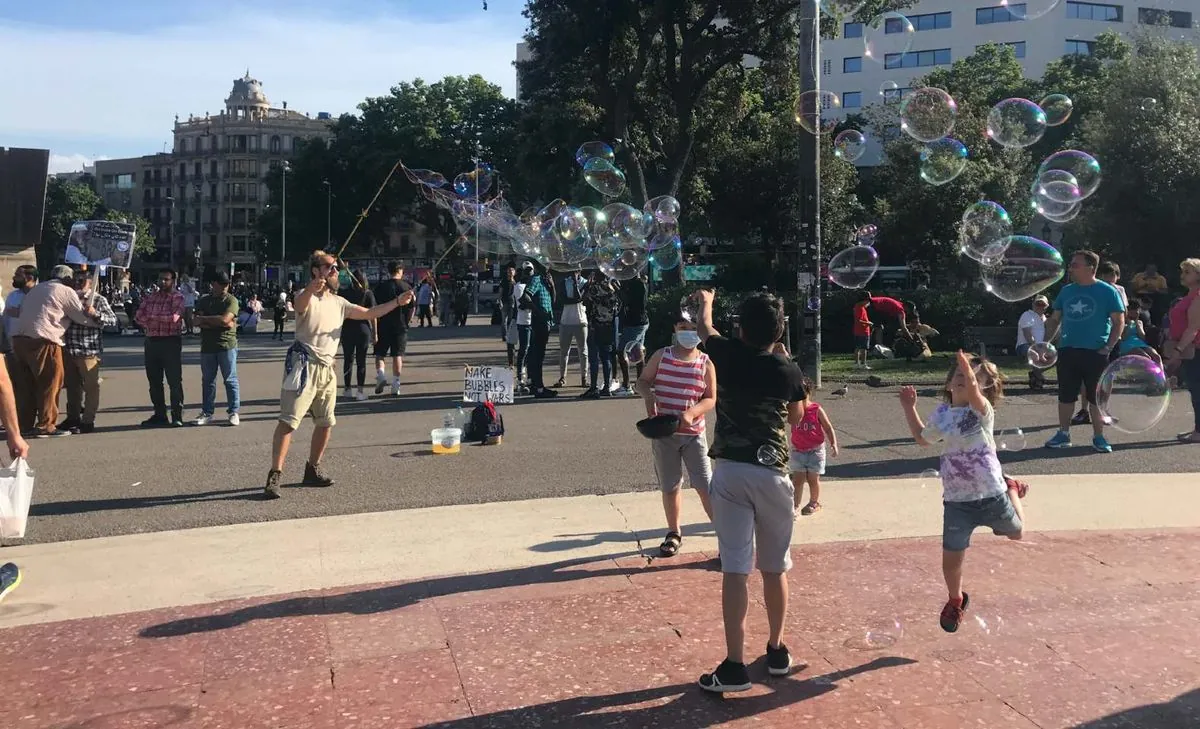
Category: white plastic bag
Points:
column 292, row 380
column 16, row 489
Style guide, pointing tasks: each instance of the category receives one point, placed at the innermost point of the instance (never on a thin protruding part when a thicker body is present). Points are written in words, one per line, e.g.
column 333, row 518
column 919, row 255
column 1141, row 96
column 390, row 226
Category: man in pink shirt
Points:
column 37, row 349
column 161, row 316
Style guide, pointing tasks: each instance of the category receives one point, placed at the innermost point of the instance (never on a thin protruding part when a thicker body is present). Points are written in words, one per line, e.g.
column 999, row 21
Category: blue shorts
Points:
column 862, row 341
column 960, row 518
column 808, row 461
column 636, row 333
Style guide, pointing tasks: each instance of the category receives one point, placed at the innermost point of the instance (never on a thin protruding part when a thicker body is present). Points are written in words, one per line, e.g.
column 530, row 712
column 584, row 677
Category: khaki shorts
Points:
column 679, row 451
column 752, row 506
column 317, row 397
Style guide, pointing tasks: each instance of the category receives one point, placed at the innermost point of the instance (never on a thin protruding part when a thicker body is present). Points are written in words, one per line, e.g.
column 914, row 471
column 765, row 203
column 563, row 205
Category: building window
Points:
column 212, row 216
column 1000, row 14
column 276, row 144
column 212, row 191
column 251, row 217
column 254, row 143
column 198, row 168
column 212, row 168
column 183, row 170
column 146, row 213
column 826, row 66
column 917, row 59
column 1173, row 18
column 1095, row 11
column 852, row 30
column 852, row 100
column 429, row 248
column 1017, row 46
column 928, row 21
column 1079, row 48
column 183, row 145
column 852, row 64
column 296, row 144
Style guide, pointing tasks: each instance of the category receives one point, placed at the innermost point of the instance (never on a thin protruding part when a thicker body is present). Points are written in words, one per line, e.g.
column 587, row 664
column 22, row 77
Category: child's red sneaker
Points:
column 952, row 613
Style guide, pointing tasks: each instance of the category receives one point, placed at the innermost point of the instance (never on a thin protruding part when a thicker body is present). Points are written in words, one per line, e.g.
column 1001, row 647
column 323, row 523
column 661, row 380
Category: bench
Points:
column 1001, row 339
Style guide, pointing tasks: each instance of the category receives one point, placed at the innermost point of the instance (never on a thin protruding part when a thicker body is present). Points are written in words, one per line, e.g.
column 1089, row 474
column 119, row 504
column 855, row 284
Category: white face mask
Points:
column 687, row 339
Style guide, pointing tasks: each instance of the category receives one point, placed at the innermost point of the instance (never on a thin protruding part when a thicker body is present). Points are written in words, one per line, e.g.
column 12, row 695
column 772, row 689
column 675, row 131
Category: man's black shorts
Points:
column 1079, row 368
column 392, row 343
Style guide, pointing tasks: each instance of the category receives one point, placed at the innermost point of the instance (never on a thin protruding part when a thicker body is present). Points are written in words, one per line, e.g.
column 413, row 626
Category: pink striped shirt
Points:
column 678, row 385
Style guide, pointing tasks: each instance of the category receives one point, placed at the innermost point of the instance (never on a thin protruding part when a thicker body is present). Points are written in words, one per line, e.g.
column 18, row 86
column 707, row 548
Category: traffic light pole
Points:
column 809, row 238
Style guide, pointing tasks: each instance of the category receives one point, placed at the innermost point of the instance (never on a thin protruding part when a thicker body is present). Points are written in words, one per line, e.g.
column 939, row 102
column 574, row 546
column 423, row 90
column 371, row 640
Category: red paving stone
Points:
column 1083, row 630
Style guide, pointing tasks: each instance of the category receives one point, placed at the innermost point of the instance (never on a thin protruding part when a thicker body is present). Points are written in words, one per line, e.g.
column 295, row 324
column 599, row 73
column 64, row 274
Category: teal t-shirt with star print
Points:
column 1086, row 314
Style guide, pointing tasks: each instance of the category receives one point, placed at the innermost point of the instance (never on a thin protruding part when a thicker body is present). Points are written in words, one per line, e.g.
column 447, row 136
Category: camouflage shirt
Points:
column 754, row 389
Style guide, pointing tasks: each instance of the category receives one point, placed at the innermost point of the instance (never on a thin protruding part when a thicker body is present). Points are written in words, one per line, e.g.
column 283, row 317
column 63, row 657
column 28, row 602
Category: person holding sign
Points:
column 310, row 382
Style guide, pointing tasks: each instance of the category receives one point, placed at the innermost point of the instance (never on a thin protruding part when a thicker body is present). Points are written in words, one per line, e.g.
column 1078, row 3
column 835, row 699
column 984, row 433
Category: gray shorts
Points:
column 811, row 461
column 752, row 506
column 960, row 518
column 677, row 452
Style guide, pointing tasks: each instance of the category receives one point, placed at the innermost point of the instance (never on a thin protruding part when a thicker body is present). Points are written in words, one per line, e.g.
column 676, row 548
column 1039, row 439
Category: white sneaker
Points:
column 395, row 389
column 235, row 419
column 202, row 420
column 349, row 393
column 360, row 395
column 866, row 367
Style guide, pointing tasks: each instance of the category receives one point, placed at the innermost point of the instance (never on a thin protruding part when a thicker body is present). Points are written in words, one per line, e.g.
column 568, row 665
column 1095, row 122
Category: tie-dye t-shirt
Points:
column 970, row 468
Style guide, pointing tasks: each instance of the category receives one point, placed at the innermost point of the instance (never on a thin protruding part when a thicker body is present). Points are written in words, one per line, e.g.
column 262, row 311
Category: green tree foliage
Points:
column 143, row 242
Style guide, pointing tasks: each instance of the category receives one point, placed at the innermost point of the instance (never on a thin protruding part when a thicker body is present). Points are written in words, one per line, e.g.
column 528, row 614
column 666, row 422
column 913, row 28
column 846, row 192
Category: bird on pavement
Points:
column 841, row 391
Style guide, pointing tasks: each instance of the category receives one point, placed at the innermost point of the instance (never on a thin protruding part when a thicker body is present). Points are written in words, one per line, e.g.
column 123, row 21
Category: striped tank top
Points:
column 678, row 385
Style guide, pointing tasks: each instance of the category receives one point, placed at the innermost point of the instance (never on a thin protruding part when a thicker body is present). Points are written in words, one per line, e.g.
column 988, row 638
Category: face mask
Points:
column 687, row 339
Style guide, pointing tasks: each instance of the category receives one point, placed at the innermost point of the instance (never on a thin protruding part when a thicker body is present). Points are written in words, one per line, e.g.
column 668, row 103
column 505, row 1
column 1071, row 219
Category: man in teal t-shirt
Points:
column 216, row 315
column 1089, row 315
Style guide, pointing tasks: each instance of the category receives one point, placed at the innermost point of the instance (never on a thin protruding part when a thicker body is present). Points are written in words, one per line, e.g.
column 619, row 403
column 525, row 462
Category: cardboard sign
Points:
column 484, row 383
column 102, row 243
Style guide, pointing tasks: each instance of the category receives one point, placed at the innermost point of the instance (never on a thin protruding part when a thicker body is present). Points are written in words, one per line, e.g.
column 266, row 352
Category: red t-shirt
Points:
column 887, row 306
column 862, row 322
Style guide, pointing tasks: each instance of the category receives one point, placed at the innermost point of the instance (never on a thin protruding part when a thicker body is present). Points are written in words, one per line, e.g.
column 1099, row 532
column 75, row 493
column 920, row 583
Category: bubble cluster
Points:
column 943, row 160
column 927, row 114
column 1134, row 393
column 853, row 267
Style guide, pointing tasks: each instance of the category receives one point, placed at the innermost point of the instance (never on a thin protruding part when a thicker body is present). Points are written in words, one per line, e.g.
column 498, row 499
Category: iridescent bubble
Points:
column 635, row 352
column 942, row 160
column 841, row 8
column 850, row 145
column 771, row 455
column 853, row 267
column 927, row 114
column 930, row 478
column 865, row 235
column 470, row 184
column 1053, row 210
column 1012, row 440
column 629, row 263
column 887, row 37
column 593, row 150
column 890, row 91
column 1058, row 108
column 597, row 221
column 1149, row 104
column 666, row 252
column 1134, row 393
column 1016, row 123
column 1027, row 267
column 1042, row 355
column 628, row 224
column 985, row 230
column 877, row 636
column 1059, row 186
column 1029, row 9
column 813, row 303
column 429, row 178
column 1082, row 166
column 604, row 177
column 689, row 307
column 817, row 111
column 664, row 208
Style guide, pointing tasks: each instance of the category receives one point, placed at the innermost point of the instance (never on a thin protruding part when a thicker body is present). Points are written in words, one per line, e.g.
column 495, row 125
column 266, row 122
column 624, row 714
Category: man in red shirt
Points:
column 862, row 334
column 887, row 307
column 161, row 316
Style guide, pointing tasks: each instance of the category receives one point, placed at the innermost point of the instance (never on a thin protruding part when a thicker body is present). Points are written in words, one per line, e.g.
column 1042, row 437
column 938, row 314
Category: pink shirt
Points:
column 47, row 310
column 678, row 385
column 808, row 435
column 1178, row 318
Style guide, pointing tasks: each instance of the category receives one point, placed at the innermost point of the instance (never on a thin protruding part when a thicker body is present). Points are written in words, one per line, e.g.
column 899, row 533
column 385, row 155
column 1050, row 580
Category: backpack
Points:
column 486, row 426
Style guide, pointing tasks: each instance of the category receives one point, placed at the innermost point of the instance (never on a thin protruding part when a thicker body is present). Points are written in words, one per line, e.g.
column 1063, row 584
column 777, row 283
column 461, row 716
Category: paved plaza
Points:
column 518, row 586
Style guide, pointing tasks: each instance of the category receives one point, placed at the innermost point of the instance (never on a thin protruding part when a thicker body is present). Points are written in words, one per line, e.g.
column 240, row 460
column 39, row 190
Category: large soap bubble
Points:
column 887, row 37
column 1081, row 165
column 854, row 267
column 1059, row 186
column 604, row 177
column 1029, row 9
column 985, row 230
column 1027, row 267
column 889, row 91
column 1134, row 393
column 593, row 150
column 1016, row 123
column 429, row 178
column 473, row 184
column 865, row 235
column 664, row 208
column 817, row 111
column 942, row 160
column 1042, row 355
column 628, row 224
column 1058, row 108
column 1055, row 211
column 849, row 144
column 927, row 114
column 666, row 252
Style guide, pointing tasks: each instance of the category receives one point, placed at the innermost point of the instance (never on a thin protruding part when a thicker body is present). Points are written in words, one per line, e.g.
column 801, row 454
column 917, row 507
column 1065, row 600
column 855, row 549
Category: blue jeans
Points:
column 601, row 343
column 210, row 362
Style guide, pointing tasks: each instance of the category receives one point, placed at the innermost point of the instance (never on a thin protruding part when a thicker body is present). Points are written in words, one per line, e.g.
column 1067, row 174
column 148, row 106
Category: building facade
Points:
column 23, row 174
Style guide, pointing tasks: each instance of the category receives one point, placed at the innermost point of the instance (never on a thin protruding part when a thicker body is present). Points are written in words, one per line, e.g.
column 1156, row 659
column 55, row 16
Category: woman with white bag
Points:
column 18, row 450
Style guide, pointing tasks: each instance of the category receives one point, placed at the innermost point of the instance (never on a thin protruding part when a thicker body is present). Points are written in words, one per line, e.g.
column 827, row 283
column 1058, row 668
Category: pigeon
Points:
column 841, row 391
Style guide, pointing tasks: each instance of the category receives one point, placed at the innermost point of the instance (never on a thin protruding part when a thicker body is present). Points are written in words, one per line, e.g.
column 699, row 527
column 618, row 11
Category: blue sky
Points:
column 90, row 79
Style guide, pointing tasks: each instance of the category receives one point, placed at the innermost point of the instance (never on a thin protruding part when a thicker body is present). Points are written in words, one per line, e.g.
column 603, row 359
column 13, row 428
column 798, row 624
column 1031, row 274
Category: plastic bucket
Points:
column 446, row 441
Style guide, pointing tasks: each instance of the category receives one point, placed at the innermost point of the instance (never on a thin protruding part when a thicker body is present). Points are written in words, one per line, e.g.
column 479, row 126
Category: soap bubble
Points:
column 628, row 224
column 635, row 352
column 429, row 178
column 1042, row 355
column 890, row 91
column 817, row 111
column 842, row 8
column 597, row 221
column 1133, row 391
column 1016, row 123
column 985, row 230
column 472, row 185
column 1059, row 186
column 927, row 114
column 1081, row 165
column 689, row 308
column 1149, row 104
column 665, row 252
column 1029, row 9
column 1058, row 108
column 1055, row 211
column 930, row 478
column 1011, row 440
column 887, row 37
column 942, row 160
column 1026, row 267
column 877, row 636
column 593, row 150
column 850, row 145
column 604, row 177
column 865, row 235
column 853, row 267
column 664, row 208
column 813, row 303
column 627, row 264
column 771, row 455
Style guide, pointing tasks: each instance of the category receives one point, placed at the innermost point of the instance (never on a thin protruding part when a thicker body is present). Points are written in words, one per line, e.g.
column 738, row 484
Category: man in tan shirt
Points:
column 38, row 349
column 310, row 380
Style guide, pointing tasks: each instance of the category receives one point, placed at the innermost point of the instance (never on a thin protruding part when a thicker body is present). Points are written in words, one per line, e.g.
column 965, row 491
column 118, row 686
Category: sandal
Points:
column 671, row 544
column 811, row 508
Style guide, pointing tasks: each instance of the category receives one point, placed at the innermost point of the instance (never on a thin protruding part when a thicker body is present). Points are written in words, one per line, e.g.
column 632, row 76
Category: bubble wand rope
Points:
column 363, row 215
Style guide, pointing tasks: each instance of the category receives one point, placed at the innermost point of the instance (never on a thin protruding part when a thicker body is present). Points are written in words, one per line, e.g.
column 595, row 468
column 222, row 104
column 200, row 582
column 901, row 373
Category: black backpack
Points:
column 486, row 425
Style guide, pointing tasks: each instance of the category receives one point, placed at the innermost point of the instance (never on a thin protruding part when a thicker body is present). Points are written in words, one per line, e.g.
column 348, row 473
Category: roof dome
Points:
column 247, row 91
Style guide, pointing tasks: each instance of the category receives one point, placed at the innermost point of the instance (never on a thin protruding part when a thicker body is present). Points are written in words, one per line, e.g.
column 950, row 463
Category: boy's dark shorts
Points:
column 960, row 518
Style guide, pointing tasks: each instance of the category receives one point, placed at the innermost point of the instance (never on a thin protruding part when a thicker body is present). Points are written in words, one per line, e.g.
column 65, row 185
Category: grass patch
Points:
column 839, row 368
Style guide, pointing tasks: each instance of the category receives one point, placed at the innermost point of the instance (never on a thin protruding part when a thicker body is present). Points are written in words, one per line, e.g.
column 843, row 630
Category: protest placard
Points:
column 486, row 383
column 101, row 242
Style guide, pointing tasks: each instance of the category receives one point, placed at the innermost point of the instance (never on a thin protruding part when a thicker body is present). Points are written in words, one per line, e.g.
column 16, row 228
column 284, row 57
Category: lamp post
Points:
column 283, row 243
column 196, row 253
column 328, row 212
column 171, row 229
column 810, row 173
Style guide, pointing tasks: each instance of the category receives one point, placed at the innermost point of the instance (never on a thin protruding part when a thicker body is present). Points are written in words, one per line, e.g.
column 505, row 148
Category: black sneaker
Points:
column 156, row 421
column 589, row 394
column 952, row 614
column 1083, row 417
column 545, row 393
column 315, row 476
column 729, row 676
column 69, row 424
column 272, row 489
column 86, row 428
column 177, row 422
column 779, row 660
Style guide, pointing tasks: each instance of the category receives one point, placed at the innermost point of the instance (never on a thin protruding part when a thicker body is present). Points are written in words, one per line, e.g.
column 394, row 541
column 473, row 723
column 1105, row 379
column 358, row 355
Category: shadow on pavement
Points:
column 564, row 542
column 59, row 508
column 1181, row 711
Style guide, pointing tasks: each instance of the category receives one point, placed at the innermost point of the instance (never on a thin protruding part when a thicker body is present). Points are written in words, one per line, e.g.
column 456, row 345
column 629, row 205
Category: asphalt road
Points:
column 122, row 479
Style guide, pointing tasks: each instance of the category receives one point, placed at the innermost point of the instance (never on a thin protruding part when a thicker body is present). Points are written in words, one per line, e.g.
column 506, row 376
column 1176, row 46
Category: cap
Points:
column 1041, row 299
column 219, row 277
column 62, row 273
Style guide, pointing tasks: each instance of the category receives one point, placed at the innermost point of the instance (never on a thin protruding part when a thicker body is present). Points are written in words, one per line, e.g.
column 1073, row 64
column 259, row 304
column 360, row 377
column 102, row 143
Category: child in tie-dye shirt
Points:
column 974, row 490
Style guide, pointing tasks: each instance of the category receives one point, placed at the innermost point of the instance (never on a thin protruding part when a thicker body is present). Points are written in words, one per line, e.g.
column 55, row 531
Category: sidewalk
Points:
column 1082, row 629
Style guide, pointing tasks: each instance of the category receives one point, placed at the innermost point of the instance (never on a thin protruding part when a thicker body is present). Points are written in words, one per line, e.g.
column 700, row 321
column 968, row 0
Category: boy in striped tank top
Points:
column 680, row 380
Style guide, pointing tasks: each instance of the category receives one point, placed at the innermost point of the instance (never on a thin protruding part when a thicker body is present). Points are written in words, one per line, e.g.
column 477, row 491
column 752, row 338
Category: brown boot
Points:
column 315, row 476
column 272, row 489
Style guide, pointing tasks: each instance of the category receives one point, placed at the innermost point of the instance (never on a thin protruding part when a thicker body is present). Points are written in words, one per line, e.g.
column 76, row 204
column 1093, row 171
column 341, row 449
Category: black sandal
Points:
column 671, row 544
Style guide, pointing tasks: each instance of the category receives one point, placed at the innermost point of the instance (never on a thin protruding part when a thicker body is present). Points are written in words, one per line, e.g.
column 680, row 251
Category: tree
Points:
column 66, row 203
column 143, row 242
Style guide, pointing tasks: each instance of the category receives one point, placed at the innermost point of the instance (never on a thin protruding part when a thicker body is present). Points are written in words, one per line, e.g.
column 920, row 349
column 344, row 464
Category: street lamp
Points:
column 328, row 212
column 171, row 229
column 283, row 244
column 196, row 253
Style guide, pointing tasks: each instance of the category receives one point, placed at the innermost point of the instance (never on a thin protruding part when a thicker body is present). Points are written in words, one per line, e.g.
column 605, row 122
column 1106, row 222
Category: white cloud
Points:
column 77, row 85
column 71, row 162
